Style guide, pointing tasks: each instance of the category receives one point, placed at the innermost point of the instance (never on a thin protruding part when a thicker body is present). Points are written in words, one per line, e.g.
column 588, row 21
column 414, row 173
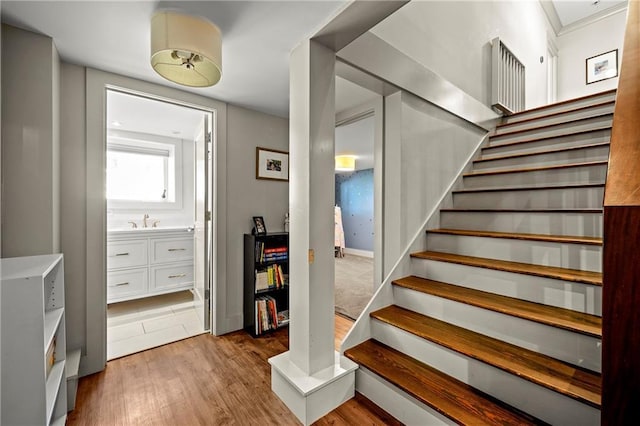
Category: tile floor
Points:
column 136, row 325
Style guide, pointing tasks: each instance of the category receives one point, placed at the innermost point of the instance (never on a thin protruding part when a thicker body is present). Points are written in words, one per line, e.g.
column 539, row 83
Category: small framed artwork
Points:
column 602, row 67
column 272, row 164
column 258, row 226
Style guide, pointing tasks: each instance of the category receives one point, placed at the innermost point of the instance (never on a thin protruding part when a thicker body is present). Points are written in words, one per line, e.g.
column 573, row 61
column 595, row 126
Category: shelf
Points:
column 60, row 421
column 271, row 290
column 53, row 386
column 258, row 274
column 51, row 322
column 271, row 262
column 73, row 364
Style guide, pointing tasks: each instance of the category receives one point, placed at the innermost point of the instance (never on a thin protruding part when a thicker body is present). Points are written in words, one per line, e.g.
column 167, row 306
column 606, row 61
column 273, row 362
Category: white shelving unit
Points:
column 32, row 319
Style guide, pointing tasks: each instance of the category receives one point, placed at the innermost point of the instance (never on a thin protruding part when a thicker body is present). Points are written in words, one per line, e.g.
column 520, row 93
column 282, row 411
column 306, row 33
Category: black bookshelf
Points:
column 266, row 282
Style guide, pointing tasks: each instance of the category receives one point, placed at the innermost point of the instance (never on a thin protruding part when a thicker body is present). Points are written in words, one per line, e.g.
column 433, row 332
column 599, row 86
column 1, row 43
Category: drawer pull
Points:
column 121, row 284
column 121, row 254
column 176, row 249
column 177, row 276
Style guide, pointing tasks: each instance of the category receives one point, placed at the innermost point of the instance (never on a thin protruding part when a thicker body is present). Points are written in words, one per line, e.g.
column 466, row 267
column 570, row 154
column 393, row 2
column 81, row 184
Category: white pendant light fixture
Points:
column 345, row 163
column 186, row 49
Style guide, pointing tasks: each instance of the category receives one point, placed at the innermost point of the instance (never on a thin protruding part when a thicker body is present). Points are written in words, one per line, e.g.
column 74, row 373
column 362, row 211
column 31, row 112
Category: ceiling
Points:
column 133, row 113
column 572, row 11
column 258, row 37
column 357, row 138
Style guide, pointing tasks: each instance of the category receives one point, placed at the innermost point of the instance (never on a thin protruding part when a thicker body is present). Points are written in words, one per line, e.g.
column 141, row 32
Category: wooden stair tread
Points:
column 568, row 101
column 528, row 188
column 445, row 394
column 564, row 124
column 535, row 169
column 542, row 152
column 566, row 319
column 595, row 210
column 573, row 275
column 557, row 113
column 577, row 383
column 520, row 236
column 537, row 139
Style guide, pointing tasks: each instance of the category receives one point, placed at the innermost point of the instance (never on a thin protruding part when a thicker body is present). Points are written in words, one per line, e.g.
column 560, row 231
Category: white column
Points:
column 312, row 378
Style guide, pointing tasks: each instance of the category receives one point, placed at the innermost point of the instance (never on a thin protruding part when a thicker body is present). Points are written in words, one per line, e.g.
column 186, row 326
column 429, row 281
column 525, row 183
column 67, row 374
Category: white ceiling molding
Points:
column 554, row 19
column 552, row 15
column 620, row 7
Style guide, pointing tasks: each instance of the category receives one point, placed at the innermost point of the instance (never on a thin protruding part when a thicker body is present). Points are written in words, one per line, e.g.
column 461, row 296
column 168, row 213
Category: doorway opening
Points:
column 159, row 245
column 354, row 199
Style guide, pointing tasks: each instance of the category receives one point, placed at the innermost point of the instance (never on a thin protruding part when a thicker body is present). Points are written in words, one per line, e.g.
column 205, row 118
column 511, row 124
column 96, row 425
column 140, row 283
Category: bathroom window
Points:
column 143, row 174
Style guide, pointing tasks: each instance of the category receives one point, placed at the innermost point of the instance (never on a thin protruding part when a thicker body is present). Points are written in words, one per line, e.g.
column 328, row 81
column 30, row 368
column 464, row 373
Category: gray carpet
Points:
column 354, row 284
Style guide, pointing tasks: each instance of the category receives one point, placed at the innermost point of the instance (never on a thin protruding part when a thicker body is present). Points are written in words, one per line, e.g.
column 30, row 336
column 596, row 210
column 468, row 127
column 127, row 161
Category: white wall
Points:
column 452, row 38
column 240, row 197
column 248, row 196
column 73, row 198
column 0, row 197
column 425, row 151
column 576, row 46
column 30, row 174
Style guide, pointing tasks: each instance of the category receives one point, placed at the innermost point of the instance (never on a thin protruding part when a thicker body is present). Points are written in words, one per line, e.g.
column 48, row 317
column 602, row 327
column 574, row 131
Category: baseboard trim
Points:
column 358, row 252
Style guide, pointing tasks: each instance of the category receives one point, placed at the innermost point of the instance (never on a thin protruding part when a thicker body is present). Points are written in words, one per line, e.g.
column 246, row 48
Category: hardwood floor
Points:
column 204, row 380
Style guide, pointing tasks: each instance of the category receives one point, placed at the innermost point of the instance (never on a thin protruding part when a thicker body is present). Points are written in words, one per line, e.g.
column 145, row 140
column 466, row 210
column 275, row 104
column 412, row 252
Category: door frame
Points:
column 97, row 83
column 552, row 71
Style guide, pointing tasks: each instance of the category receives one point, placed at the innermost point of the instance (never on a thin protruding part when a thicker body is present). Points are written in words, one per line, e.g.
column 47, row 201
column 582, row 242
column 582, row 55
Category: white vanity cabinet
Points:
column 147, row 262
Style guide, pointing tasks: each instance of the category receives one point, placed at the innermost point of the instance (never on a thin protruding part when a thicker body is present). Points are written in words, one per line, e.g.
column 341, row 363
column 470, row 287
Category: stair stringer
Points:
column 361, row 329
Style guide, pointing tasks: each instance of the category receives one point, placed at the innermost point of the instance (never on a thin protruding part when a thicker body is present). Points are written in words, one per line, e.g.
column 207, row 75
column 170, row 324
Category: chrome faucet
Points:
column 155, row 223
column 133, row 224
column 144, row 220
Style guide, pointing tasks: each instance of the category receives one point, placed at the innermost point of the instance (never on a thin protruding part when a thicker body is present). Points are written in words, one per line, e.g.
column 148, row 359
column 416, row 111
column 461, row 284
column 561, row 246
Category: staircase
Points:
column 500, row 321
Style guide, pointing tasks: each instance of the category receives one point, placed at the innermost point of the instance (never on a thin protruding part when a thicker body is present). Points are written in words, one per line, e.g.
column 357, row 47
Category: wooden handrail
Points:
column 623, row 177
column 621, row 248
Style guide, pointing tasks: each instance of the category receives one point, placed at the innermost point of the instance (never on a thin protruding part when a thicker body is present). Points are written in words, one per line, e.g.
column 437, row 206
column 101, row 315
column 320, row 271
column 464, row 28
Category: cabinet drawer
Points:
column 171, row 250
column 125, row 284
column 126, row 254
column 166, row 277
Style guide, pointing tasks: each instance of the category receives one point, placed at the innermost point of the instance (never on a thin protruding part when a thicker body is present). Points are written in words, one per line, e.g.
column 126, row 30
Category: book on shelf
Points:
column 283, row 317
column 267, row 315
column 264, row 255
column 262, row 281
column 271, row 278
column 50, row 356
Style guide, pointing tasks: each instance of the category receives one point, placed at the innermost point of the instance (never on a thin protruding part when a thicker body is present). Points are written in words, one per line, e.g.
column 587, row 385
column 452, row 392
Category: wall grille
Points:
column 507, row 79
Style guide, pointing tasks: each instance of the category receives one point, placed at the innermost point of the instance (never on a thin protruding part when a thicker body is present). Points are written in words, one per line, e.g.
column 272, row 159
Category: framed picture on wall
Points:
column 272, row 164
column 602, row 67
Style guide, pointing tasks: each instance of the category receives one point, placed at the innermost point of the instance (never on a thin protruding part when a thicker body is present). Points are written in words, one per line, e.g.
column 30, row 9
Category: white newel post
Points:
column 312, row 378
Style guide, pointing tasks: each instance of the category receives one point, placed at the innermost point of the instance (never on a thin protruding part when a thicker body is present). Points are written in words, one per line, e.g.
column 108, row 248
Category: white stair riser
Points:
column 588, row 124
column 556, row 119
column 571, row 256
column 577, row 224
column 561, row 176
column 396, row 402
column 560, row 108
column 597, row 153
column 567, row 346
column 561, row 198
column 547, row 291
column 580, row 139
column 529, row 397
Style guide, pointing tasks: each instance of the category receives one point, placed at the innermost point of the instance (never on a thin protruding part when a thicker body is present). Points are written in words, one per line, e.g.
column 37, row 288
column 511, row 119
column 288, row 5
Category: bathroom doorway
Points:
column 159, row 204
